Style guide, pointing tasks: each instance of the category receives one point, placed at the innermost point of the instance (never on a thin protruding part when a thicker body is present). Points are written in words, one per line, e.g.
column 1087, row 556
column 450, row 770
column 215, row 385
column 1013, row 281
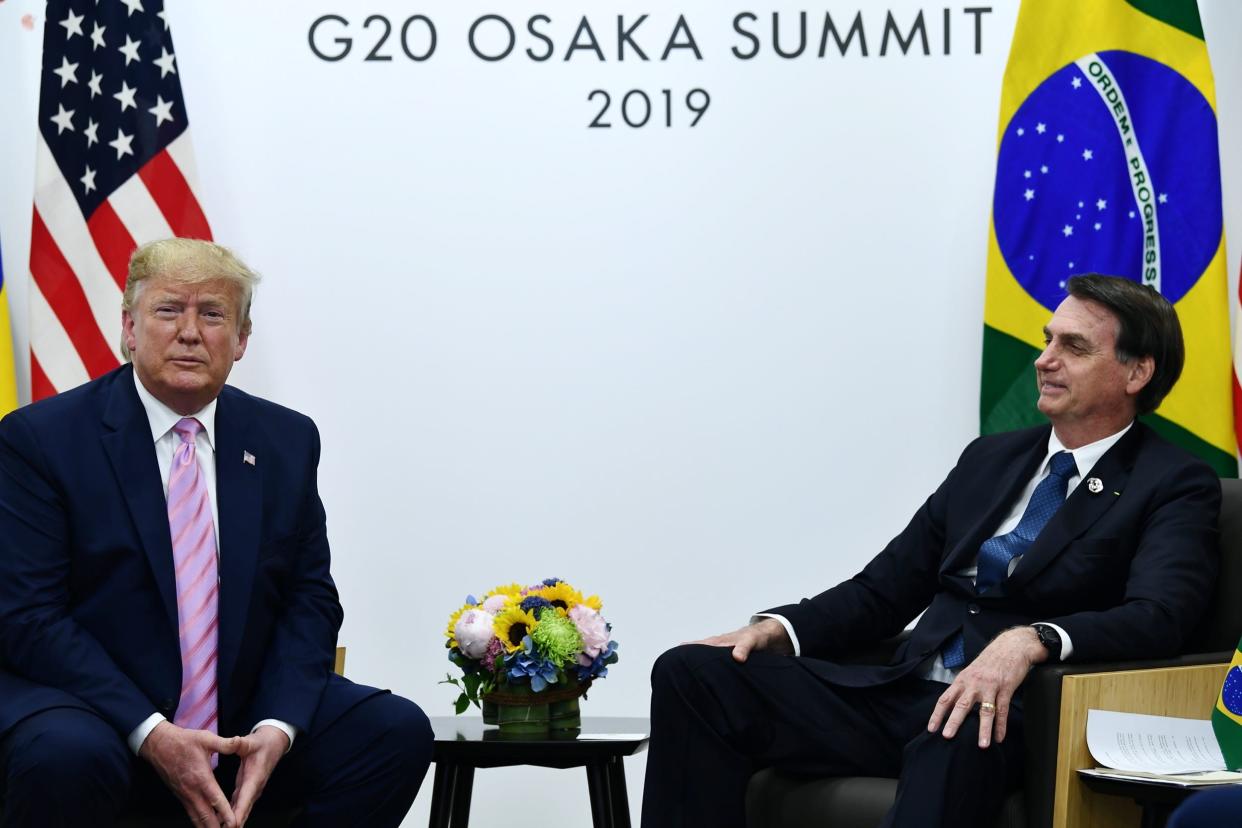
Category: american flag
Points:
column 114, row 170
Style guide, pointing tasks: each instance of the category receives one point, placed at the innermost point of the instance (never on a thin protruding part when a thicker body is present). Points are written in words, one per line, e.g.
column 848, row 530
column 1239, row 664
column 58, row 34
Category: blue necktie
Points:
column 996, row 553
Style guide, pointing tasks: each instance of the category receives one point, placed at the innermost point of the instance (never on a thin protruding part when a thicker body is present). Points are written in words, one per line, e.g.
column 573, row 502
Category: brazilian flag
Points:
column 1108, row 163
column 8, row 379
column 1227, row 717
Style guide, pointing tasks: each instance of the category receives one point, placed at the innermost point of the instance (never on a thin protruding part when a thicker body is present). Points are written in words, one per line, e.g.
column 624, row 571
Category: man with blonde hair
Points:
column 166, row 609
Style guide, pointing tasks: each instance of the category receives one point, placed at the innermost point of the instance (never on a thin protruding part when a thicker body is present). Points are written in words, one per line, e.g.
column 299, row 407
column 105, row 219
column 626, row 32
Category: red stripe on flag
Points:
column 1237, row 411
column 60, row 287
column 40, row 385
column 175, row 199
column 112, row 240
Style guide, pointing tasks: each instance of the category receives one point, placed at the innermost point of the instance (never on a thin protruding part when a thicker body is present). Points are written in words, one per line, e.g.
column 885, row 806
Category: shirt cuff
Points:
column 140, row 733
column 793, row 637
column 284, row 727
column 1067, row 646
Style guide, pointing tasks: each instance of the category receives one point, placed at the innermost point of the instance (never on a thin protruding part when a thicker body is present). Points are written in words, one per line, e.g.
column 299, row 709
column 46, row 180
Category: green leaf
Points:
column 462, row 704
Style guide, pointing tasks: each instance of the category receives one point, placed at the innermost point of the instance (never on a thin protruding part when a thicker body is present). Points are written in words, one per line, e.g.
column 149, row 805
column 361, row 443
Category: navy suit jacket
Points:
column 88, row 609
column 1126, row 571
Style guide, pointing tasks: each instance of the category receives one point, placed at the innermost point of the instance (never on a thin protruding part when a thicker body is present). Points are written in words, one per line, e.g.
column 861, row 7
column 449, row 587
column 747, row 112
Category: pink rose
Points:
column 593, row 628
column 495, row 604
column 473, row 632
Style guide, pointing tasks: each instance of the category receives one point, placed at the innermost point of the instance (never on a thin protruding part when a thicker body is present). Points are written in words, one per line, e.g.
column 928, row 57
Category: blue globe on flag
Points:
column 1070, row 185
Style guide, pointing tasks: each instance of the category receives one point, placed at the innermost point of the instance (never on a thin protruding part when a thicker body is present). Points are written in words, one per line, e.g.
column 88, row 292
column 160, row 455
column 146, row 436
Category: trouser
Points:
column 715, row 722
column 67, row 767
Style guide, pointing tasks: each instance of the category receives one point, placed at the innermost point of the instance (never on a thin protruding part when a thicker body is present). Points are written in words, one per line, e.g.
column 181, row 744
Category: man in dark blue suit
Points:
column 1090, row 539
column 110, row 697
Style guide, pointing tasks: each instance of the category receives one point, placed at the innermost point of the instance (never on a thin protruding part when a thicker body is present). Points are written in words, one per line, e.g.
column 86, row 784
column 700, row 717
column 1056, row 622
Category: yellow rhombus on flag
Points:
column 1107, row 162
column 8, row 379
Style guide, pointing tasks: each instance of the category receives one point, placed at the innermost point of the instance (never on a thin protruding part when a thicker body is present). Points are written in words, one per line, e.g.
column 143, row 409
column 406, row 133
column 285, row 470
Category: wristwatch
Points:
column 1050, row 638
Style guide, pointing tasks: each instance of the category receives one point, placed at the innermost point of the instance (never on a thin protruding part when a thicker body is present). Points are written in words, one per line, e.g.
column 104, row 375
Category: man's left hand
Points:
column 989, row 682
column 259, row 752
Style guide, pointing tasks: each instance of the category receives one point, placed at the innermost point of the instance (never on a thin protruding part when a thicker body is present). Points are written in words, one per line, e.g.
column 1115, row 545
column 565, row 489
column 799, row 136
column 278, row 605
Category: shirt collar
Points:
column 162, row 418
column 1085, row 457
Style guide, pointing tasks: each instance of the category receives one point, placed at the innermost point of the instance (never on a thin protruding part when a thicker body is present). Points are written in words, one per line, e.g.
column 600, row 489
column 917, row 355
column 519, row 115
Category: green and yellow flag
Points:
column 1227, row 717
column 8, row 379
column 1108, row 162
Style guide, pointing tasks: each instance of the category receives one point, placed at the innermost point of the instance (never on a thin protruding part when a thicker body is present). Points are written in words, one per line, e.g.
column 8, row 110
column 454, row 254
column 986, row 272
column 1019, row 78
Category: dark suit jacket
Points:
column 88, row 609
column 1126, row 572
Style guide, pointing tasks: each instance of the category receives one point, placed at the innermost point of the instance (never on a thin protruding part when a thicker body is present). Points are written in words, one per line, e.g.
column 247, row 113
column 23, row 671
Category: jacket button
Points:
column 973, row 609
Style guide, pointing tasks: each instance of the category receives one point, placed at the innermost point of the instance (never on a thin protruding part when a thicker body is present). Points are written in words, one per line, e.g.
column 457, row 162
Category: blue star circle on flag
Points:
column 1064, row 203
column 1231, row 692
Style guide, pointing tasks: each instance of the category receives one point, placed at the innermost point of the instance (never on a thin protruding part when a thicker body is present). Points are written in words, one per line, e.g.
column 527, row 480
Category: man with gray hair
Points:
column 168, row 620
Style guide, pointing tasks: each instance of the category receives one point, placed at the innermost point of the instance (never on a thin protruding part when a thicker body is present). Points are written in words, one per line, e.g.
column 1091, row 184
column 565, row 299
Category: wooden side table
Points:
column 464, row 743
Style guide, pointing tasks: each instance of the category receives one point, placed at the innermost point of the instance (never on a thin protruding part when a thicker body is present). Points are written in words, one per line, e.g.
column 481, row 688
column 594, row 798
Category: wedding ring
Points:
column 986, row 706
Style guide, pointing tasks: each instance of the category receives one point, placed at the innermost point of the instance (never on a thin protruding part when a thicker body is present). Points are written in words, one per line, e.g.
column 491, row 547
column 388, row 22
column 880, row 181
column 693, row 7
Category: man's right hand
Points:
column 182, row 758
column 767, row 634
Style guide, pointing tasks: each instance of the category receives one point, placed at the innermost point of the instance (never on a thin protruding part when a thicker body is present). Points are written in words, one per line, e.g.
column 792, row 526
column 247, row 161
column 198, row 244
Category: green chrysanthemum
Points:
column 556, row 638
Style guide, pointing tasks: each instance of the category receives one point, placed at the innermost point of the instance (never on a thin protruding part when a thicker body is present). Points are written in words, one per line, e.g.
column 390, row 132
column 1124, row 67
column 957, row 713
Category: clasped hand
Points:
column 990, row 682
column 182, row 758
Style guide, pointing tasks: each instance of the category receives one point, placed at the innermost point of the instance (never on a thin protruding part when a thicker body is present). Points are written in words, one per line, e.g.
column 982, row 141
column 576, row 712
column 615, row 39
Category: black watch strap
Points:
column 1050, row 638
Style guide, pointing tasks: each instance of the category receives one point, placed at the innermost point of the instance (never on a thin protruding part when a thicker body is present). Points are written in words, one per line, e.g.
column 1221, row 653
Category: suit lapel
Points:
column 239, row 495
column 1082, row 509
column 131, row 451
column 1001, row 489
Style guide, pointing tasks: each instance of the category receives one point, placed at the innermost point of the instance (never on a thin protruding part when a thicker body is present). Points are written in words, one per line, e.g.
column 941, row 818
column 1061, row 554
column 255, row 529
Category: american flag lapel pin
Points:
column 247, row 458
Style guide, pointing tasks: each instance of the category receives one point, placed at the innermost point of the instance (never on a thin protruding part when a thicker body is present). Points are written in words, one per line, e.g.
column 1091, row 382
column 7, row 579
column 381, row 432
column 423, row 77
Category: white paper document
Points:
column 1152, row 744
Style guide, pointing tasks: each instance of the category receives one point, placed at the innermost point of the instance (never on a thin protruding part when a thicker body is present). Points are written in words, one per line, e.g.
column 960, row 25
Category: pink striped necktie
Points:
column 198, row 588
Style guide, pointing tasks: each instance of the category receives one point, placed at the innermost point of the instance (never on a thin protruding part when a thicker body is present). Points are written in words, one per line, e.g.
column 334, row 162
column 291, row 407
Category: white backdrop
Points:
column 699, row 370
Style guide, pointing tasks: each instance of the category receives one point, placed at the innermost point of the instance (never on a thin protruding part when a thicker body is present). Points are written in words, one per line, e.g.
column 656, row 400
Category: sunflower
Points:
column 512, row 625
column 511, row 590
column 594, row 603
column 560, row 595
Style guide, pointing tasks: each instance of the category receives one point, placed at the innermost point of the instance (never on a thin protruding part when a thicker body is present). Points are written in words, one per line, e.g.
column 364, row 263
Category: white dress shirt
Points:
column 162, row 419
column 1085, row 459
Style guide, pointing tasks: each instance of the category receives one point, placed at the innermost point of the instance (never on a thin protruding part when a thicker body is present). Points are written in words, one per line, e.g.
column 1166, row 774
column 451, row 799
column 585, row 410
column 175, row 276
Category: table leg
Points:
column 600, row 788
column 617, row 796
column 462, row 789
column 442, row 794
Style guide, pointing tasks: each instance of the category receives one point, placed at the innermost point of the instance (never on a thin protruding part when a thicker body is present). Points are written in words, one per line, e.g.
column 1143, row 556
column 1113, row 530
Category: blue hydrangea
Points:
column 598, row 668
column 551, row 581
column 525, row 663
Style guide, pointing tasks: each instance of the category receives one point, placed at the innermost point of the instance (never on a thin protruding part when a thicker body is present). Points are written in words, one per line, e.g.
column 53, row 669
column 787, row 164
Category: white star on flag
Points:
column 97, row 41
column 1026, row 173
column 68, row 72
column 1097, row 225
column 63, row 119
column 1067, row 231
column 122, row 144
column 1041, row 128
column 1028, row 195
column 1100, row 204
column 1044, row 169
column 130, row 50
column 1076, row 82
column 1164, row 198
column 162, row 110
column 73, row 25
column 134, row 5
column 1021, row 131
column 91, row 132
column 1060, row 138
column 1087, row 155
column 93, row 83
column 88, row 180
column 165, row 62
column 126, row 96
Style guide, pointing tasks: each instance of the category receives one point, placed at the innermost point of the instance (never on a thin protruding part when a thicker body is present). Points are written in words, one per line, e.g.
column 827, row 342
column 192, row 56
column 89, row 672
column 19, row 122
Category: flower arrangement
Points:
column 537, row 639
